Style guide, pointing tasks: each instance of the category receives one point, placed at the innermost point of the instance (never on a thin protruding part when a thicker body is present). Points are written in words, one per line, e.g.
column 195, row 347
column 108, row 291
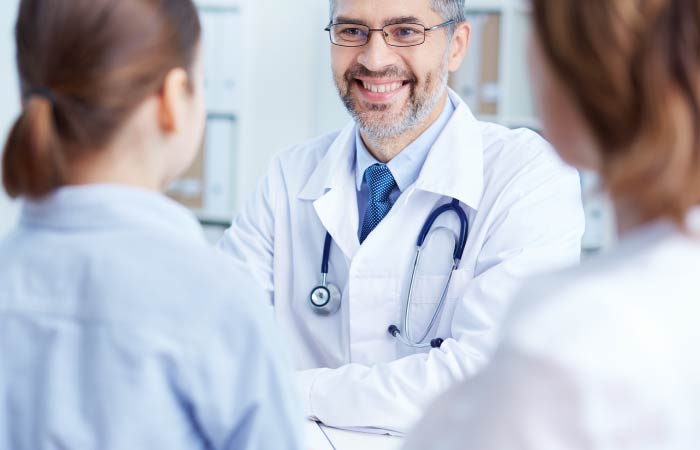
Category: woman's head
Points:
column 101, row 74
column 618, row 83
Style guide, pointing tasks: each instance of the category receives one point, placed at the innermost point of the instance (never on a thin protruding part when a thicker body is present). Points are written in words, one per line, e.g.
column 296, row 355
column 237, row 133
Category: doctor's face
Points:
column 389, row 90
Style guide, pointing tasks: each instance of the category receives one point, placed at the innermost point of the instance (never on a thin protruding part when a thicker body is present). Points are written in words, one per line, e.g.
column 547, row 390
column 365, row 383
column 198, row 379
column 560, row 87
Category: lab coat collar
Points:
column 332, row 189
column 453, row 168
column 338, row 160
column 105, row 206
column 455, row 165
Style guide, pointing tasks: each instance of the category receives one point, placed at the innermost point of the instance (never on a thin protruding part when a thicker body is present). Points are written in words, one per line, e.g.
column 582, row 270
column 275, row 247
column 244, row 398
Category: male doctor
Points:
column 368, row 190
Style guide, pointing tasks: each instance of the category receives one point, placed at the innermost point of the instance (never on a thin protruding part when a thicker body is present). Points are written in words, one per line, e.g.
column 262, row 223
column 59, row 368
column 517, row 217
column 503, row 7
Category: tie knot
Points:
column 380, row 181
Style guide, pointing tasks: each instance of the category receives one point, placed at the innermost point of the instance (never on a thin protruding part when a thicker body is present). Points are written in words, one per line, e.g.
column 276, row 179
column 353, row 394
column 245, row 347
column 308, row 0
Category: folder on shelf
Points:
column 477, row 81
column 189, row 188
column 489, row 83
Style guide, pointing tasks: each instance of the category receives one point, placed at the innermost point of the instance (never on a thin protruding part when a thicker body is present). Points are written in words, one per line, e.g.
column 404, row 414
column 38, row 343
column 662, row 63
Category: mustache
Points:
column 358, row 70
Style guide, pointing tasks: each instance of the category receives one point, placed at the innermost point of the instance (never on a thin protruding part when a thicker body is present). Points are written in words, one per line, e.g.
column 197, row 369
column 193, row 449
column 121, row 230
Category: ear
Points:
column 459, row 46
column 172, row 100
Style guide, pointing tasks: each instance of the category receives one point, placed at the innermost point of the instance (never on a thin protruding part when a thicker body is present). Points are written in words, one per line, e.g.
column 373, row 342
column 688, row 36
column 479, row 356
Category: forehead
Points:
column 376, row 11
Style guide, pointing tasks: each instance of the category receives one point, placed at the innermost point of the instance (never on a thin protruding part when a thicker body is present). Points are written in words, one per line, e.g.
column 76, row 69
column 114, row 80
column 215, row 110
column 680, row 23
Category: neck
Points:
column 386, row 149
column 117, row 167
column 628, row 217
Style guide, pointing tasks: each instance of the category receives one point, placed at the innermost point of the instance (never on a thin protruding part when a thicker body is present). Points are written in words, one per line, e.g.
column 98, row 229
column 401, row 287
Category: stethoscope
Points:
column 325, row 299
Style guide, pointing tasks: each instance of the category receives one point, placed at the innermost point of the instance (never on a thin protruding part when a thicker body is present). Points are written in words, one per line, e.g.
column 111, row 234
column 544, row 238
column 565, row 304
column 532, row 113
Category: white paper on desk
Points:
column 315, row 438
column 356, row 440
column 370, row 430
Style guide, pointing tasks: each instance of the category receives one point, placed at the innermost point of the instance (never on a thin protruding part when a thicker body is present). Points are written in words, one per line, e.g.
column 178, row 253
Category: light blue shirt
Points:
column 121, row 329
column 405, row 167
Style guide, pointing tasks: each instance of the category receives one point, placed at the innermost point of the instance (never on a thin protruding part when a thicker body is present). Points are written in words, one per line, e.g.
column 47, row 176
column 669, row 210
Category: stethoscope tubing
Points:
column 460, row 245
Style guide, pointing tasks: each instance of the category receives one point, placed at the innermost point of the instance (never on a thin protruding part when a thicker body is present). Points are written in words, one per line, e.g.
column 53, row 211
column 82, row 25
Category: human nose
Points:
column 376, row 54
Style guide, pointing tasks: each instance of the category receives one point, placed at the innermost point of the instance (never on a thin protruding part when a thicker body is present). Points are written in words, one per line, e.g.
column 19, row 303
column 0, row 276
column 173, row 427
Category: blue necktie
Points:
column 381, row 182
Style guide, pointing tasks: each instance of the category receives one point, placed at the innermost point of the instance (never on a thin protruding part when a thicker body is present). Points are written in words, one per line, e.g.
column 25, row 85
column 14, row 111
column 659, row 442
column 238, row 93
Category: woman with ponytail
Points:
column 119, row 327
column 605, row 356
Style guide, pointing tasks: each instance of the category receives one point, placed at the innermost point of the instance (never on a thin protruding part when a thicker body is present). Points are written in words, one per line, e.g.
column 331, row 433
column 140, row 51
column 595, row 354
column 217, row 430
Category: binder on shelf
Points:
column 490, row 64
column 222, row 58
column 219, row 166
column 208, row 186
column 600, row 222
column 466, row 80
column 477, row 81
column 189, row 188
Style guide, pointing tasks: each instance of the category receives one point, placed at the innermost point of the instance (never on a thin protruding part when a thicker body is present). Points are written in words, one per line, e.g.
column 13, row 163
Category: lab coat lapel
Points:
column 332, row 188
column 455, row 165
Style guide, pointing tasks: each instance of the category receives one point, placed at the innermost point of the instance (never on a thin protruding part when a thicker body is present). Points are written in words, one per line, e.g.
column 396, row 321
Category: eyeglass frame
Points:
column 384, row 34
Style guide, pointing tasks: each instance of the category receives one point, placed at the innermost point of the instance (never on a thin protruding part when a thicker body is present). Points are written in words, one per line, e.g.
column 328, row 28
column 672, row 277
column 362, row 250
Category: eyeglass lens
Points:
column 399, row 35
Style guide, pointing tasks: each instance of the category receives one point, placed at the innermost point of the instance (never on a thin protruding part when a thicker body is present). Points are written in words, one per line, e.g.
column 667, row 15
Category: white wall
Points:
column 289, row 95
column 9, row 99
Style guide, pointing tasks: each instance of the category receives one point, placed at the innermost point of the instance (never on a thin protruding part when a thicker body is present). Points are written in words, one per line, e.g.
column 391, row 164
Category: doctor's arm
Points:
column 538, row 228
column 250, row 239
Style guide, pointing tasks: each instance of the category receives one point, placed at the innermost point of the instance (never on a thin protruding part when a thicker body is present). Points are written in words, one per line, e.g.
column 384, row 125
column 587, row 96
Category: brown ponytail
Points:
column 31, row 160
column 84, row 66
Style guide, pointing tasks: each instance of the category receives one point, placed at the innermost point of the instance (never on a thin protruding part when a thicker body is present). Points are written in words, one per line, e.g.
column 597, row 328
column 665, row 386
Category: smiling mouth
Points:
column 382, row 88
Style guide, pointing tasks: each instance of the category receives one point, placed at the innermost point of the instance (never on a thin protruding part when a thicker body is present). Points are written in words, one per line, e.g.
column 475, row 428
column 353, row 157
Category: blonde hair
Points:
column 633, row 68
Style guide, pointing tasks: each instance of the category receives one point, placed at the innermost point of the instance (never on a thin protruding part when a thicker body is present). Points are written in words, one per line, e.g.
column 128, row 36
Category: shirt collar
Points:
column 406, row 166
column 103, row 206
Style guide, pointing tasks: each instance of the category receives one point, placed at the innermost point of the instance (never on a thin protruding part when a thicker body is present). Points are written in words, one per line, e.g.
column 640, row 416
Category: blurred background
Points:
column 265, row 93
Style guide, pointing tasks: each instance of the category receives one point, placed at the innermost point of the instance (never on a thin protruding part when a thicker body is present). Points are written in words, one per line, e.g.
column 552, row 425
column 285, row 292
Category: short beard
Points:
column 420, row 104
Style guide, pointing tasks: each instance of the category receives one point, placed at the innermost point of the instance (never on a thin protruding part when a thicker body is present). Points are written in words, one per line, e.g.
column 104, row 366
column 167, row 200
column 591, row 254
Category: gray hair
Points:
column 448, row 10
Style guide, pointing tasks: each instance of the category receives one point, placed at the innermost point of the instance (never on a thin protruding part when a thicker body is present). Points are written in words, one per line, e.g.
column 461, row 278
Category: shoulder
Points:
column 132, row 281
column 306, row 153
column 514, row 151
column 521, row 168
column 290, row 168
column 208, row 276
column 164, row 281
column 581, row 314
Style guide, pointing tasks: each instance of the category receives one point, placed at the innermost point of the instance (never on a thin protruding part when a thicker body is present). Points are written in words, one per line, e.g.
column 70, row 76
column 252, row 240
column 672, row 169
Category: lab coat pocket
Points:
column 426, row 298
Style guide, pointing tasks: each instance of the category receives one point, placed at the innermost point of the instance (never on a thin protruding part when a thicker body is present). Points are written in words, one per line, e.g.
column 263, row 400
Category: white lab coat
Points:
column 602, row 357
column 525, row 216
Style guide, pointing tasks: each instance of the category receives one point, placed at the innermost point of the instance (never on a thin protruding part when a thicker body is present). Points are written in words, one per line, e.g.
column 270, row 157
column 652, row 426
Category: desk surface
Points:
column 321, row 437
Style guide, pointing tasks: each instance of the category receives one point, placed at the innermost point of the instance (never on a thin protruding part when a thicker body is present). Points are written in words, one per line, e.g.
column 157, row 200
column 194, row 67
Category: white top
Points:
column 525, row 216
column 121, row 329
column 601, row 357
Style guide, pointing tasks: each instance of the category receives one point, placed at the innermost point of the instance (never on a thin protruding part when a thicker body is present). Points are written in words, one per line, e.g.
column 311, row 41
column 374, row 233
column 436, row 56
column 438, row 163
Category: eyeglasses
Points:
column 396, row 35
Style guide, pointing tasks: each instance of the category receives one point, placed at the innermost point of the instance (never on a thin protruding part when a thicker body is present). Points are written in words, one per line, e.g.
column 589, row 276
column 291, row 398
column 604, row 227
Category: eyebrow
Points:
column 391, row 21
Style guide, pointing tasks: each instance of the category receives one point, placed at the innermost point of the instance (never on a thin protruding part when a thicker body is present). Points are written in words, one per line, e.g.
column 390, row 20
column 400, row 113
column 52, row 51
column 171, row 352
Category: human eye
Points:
column 349, row 32
column 406, row 33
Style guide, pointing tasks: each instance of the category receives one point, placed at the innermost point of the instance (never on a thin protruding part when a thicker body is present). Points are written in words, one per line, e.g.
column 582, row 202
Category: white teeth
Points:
column 382, row 88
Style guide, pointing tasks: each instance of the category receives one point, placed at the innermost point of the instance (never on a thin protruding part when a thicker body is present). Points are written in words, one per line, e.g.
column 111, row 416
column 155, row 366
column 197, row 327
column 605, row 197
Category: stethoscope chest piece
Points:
column 325, row 299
